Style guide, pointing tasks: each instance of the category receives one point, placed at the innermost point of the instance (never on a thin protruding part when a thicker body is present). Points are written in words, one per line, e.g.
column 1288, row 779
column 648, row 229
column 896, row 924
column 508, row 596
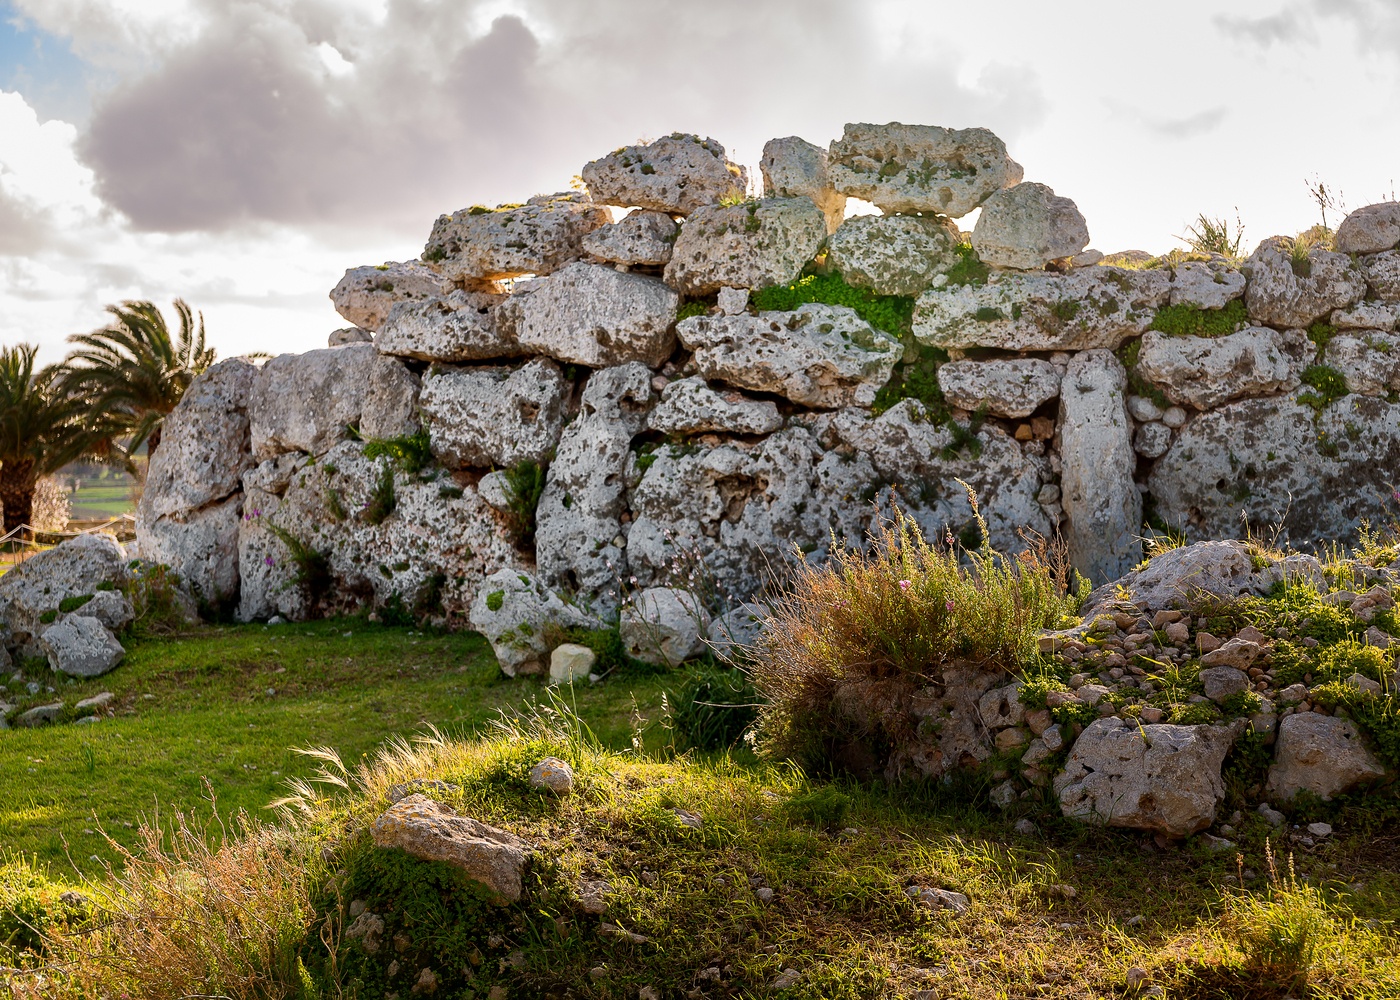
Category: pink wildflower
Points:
column 904, row 585
column 949, row 604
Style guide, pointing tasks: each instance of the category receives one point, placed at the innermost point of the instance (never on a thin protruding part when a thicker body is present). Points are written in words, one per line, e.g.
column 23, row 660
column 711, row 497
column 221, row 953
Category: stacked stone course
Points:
column 678, row 423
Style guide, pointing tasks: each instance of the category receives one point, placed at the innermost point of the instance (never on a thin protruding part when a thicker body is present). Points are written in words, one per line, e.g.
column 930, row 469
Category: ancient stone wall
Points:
column 712, row 384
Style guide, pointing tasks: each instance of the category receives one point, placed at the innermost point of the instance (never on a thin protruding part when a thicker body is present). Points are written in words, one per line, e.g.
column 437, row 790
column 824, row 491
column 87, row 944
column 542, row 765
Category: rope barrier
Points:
column 14, row 533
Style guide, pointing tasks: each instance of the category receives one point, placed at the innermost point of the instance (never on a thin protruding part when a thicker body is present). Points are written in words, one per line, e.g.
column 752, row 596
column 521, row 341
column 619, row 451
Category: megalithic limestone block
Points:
column 1101, row 501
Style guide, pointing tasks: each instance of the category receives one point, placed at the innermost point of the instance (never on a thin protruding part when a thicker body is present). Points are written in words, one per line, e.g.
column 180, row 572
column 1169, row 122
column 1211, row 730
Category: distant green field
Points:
column 98, row 491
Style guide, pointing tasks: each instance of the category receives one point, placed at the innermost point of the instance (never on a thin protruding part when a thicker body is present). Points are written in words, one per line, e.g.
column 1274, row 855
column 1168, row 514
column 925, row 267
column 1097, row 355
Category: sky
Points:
column 242, row 154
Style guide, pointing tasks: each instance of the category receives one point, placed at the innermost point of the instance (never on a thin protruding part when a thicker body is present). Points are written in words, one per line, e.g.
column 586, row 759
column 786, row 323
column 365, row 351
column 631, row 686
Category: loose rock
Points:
column 553, row 775
column 431, row 831
column 1027, row 226
column 1320, row 754
column 1015, row 387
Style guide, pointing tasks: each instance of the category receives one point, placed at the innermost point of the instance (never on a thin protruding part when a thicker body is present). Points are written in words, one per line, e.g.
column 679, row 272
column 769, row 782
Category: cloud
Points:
column 1189, row 127
column 23, row 228
column 1288, row 25
column 304, row 112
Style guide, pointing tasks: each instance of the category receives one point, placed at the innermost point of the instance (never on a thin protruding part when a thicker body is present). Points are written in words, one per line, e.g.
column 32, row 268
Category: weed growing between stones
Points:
column 969, row 270
column 1187, row 320
column 382, row 498
column 892, row 313
column 524, row 486
column 411, row 453
column 1128, row 354
column 1329, row 384
column 154, row 592
column 885, row 621
column 313, row 573
column 1209, row 235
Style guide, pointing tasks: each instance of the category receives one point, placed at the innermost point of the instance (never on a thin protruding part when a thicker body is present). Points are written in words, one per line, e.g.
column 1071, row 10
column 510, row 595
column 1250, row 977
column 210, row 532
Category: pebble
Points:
column 1320, row 829
column 765, row 895
column 1271, row 816
column 1026, row 828
column 553, row 775
column 787, row 979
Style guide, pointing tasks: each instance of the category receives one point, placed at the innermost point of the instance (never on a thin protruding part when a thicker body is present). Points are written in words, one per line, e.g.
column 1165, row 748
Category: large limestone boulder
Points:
column 642, row 239
column 390, row 408
column 1320, row 754
column 1370, row 229
column 202, row 547
column 70, row 569
column 905, row 447
column 591, row 314
column 1225, row 568
column 431, row 831
column 204, row 447
column 1368, row 359
column 893, row 254
column 795, row 168
column 750, row 245
column 1009, row 387
column 188, row 514
column 1027, row 226
column 523, row 620
column 1382, row 273
column 664, row 626
column 689, row 406
column 816, row 355
column 1206, row 372
column 579, row 546
column 1087, row 308
column 460, row 327
column 1288, row 292
column 677, row 173
column 1101, row 501
column 743, row 507
column 921, row 168
column 347, row 533
column 366, row 294
column 1211, row 284
column 1275, row 460
column 489, row 417
column 537, row 238
column 306, row 402
column 1145, row 777
column 81, row 646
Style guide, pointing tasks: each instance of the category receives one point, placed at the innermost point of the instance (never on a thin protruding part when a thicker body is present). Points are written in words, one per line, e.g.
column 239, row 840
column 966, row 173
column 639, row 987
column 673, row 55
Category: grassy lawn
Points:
column 216, row 712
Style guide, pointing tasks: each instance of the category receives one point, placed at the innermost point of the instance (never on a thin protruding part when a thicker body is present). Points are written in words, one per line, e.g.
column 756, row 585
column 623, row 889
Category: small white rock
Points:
column 570, row 662
column 553, row 774
column 733, row 301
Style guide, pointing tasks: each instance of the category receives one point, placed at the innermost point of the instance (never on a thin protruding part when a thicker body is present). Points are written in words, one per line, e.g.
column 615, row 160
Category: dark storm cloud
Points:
column 245, row 123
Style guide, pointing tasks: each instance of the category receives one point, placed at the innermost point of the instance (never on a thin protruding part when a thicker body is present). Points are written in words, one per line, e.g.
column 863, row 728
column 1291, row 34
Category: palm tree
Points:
column 42, row 428
column 134, row 372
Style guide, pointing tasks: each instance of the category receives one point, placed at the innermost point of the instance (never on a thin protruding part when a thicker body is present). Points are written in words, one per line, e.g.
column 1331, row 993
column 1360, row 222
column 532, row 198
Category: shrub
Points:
column 694, row 307
column 886, row 620
column 524, row 486
column 1330, row 386
column 313, row 573
column 1214, row 235
column 411, row 453
column 969, row 270
column 73, row 603
column 1278, row 934
column 382, row 499
column 27, row 902
column 710, row 709
column 1192, row 321
column 916, row 378
column 891, row 313
column 154, row 592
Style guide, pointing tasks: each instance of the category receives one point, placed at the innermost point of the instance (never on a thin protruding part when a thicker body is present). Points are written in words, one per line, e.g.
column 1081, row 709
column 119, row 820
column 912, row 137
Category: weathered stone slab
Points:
column 893, row 254
column 921, row 168
column 754, row 244
column 537, row 238
column 677, row 173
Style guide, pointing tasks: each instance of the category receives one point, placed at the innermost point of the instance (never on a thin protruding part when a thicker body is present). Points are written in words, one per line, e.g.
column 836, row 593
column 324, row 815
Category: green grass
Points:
column 196, row 707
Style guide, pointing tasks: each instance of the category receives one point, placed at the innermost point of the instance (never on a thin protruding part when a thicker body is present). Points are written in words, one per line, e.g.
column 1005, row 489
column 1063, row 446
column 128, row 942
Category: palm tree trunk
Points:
column 17, row 492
